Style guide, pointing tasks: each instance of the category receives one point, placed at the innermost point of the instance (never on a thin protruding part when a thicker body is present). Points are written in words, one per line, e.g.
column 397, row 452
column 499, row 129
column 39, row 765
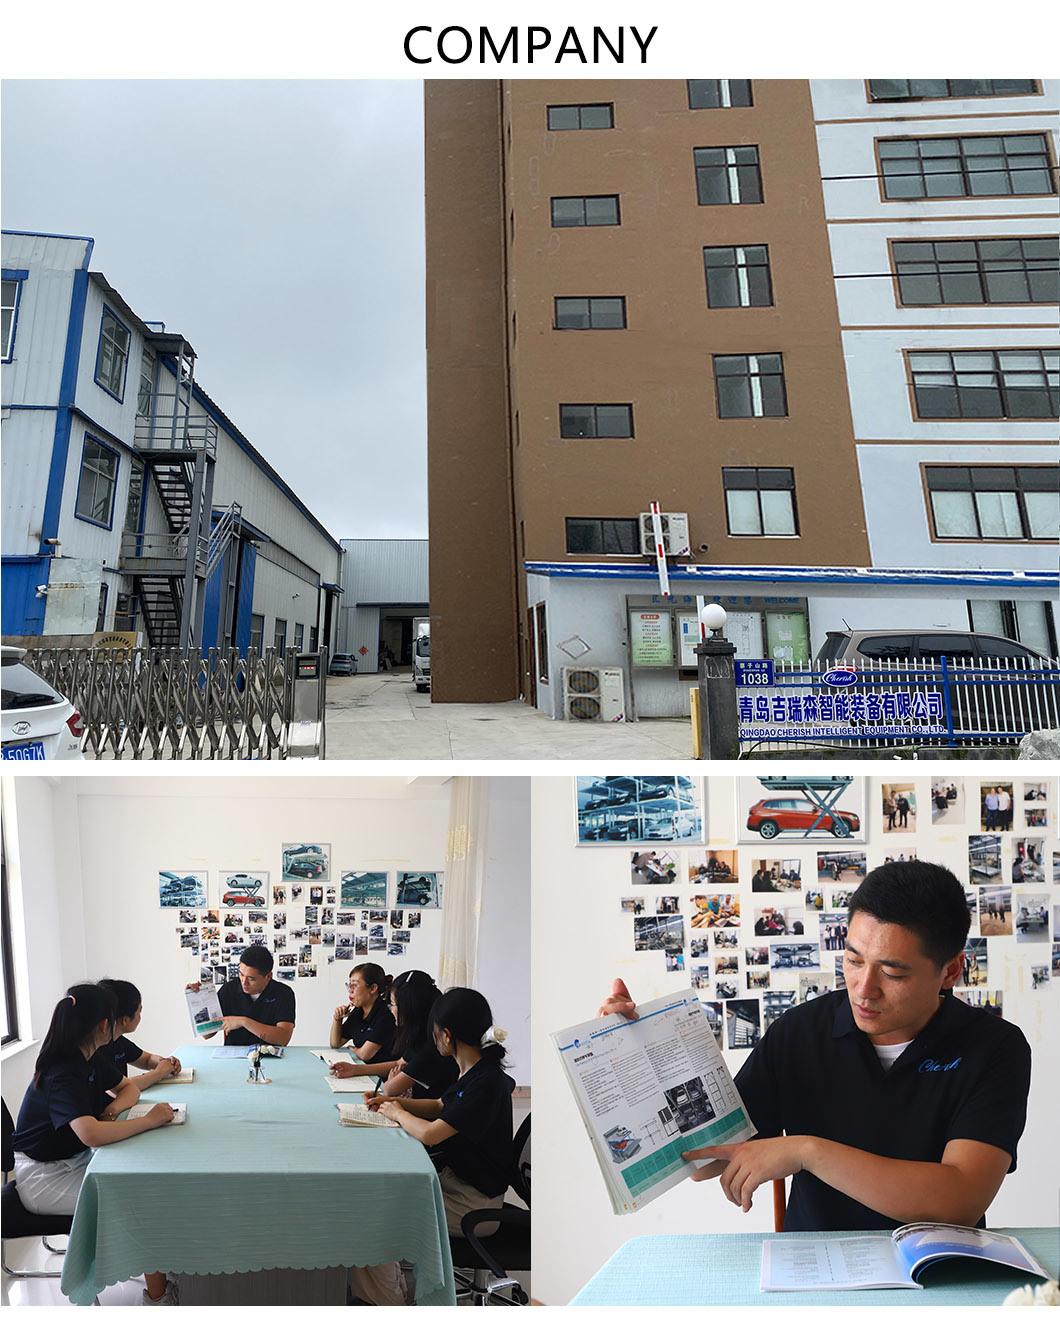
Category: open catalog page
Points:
column 650, row 1089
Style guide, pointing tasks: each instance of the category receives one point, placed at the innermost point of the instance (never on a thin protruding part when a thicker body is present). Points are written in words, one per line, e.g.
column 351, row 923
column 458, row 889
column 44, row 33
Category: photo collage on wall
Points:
column 761, row 927
column 307, row 918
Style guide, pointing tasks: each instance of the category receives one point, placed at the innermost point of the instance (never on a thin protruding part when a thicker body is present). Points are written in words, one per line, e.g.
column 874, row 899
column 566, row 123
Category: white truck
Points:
column 421, row 654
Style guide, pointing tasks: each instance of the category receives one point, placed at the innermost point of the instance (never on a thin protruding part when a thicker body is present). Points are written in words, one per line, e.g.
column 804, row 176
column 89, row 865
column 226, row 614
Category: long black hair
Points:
column 373, row 975
column 126, row 994
column 414, row 995
column 74, row 1019
column 466, row 1014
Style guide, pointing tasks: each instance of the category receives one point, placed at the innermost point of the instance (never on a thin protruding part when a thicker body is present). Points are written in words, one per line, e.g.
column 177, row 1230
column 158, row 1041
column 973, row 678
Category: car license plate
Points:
column 23, row 751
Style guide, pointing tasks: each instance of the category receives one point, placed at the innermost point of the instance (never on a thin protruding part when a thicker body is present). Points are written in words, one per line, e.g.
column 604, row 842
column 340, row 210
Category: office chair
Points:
column 477, row 1262
column 17, row 1221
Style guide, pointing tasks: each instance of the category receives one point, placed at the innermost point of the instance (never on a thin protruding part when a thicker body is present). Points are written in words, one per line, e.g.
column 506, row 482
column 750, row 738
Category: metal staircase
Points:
column 170, row 569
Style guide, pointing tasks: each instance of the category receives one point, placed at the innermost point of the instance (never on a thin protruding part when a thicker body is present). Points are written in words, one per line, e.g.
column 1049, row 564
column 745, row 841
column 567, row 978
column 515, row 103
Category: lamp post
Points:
column 719, row 731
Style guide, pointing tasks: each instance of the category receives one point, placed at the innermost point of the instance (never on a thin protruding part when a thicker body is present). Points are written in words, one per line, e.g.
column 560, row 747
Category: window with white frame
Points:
column 97, row 483
column 12, row 293
column 760, row 502
column 985, row 383
column 994, row 502
column 727, row 176
column 738, row 277
column 718, row 93
column 112, row 357
column 750, row 385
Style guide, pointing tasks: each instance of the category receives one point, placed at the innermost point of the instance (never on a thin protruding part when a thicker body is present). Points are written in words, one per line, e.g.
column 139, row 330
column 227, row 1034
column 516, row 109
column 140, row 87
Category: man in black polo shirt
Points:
column 899, row 1102
column 257, row 1009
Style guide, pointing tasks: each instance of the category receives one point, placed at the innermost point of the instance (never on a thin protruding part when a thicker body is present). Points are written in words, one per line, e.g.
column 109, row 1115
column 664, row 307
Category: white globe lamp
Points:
column 712, row 617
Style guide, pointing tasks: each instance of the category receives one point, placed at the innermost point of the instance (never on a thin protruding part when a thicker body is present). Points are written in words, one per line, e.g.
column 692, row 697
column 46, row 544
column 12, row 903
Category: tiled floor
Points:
column 29, row 1254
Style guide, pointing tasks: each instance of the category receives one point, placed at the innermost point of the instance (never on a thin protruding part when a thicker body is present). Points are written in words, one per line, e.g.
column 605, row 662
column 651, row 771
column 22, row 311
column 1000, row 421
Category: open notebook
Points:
column 359, row 1116
column 180, row 1110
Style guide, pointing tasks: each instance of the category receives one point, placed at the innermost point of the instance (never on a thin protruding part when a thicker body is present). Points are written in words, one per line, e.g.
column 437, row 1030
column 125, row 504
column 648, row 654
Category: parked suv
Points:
column 234, row 897
column 771, row 816
column 39, row 724
column 342, row 663
column 920, row 644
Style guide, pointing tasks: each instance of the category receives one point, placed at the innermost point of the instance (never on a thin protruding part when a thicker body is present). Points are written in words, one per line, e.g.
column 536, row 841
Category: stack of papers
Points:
column 359, row 1116
column 366, row 1083
column 185, row 1075
column 180, row 1110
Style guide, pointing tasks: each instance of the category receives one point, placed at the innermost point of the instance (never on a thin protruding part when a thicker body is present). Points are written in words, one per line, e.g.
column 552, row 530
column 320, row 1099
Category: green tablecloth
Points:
column 258, row 1177
column 697, row 1270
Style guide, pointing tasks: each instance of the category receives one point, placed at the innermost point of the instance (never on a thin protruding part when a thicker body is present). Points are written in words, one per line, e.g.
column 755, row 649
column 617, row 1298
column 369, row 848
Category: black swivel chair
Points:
column 481, row 1265
column 17, row 1221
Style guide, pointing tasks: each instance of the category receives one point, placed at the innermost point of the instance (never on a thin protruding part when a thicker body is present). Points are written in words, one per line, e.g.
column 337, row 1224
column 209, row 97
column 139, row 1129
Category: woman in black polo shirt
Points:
column 64, row 1115
column 365, row 1024
column 123, row 1051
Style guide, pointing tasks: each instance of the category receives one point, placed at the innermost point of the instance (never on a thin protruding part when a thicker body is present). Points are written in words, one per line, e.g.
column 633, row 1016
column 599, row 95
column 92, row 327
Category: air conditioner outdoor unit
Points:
column 675, row 534
column 593, row 694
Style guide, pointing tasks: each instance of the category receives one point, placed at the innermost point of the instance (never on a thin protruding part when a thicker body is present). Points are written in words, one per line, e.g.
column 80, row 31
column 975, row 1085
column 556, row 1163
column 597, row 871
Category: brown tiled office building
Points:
column 630, row 297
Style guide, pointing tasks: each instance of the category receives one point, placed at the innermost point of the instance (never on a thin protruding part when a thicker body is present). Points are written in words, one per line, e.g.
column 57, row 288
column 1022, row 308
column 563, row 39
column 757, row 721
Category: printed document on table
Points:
column 650, row 1089
column 365, row 1083
column 333, row 1056
column 832, row 1263
column 180, row 1110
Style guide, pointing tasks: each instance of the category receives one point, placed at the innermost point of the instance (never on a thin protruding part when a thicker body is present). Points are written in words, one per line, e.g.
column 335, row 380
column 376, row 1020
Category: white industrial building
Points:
column 384, row 587
column 940, row 199
column 131, row 502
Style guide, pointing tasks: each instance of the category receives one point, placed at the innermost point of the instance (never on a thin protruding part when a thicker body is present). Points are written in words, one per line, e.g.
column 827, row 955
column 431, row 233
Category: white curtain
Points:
column 465, row 872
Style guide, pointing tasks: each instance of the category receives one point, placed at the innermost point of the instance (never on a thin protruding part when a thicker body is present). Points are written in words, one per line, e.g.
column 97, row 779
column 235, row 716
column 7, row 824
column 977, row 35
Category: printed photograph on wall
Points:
column 363, row 889
column 995, row 805
column 775, row 875
column 976, row 970
column 995, row 910
column 306, row 862
column 653, row 867
column 898, row 802
column 984, row 859
column 807, row 807
column 419, row 889
column 713, row 866
column 182, row 889
column 243, row 889
column 947, row 802
column 715, row 910
column 1032, row 917
column 1028, row 861
column 841, row 865
column 638, row 809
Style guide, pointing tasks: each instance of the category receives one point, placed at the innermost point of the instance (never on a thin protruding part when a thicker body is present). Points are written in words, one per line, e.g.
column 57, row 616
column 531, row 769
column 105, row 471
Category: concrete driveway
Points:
column 381, row 717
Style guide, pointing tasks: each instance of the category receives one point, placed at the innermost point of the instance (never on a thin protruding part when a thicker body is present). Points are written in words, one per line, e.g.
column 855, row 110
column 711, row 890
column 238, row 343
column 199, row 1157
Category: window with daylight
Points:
column 994, row 502
column 1030, row 622
column 12, row 293
column 590, row 314
column 1013, row 383
column 596, row 421
column 760, row 502
column 738, row 277
column 750, row 385
column 576, row 212
column 977, row 271
column 603, row 536
column 112, row 357
column 1004, row 165
column 147, row 386
column 580, row 116
column 727, row 176
column 279, row 637
column 939, row 89
column 299, row 635
column 97, row 483
column 257, row 633
column 718, row 93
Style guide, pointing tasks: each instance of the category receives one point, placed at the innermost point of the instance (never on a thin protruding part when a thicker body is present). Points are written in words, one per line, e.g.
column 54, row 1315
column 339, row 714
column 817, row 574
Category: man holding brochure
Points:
column 891, row 1101
column 258, row 1010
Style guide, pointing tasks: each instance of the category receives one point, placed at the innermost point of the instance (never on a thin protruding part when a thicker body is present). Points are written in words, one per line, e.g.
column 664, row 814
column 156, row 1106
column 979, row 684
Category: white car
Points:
column 39, row 724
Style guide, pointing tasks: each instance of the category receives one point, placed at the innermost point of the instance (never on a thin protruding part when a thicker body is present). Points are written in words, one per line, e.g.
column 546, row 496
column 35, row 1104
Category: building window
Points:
column 1029, row 622
column 590, row 314
column 994, row 502
column 975, row 271
column 996, row 166
column 314, row 639
column 572, row 212
column 257, row 633
column 541, row 641
column 760, row 502
column 718, row 93
column 10, row 993
column 581, row 116
column 134, row 497
column 596, row 421
column 738, row 277
column 1014, row 383
column 750, row 385
column 603, row 536
column 12, row 296
column 97, row 483
column 299, row 636
column 112, row 357
column 940, row 89
column 101, row 610
column 125, row 613
column 279, row 636
column 146, row 389
column 727, row 175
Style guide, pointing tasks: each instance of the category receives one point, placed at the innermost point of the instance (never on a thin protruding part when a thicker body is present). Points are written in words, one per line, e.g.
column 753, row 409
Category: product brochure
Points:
column 205, row 1011
column 649, row 1089
column 180, row 1110
column 893, row 1262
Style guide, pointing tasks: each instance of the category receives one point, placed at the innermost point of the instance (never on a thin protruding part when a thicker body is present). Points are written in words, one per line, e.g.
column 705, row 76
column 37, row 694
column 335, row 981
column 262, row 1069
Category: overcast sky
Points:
column 279, row 226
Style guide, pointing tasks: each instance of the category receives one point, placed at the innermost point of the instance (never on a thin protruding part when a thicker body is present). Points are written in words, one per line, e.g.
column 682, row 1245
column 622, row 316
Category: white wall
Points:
column 90, row 849
column 582, row 940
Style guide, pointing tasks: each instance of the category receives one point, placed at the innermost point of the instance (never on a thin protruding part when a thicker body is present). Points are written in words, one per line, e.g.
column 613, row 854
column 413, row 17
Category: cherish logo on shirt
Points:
column 933, row 1066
